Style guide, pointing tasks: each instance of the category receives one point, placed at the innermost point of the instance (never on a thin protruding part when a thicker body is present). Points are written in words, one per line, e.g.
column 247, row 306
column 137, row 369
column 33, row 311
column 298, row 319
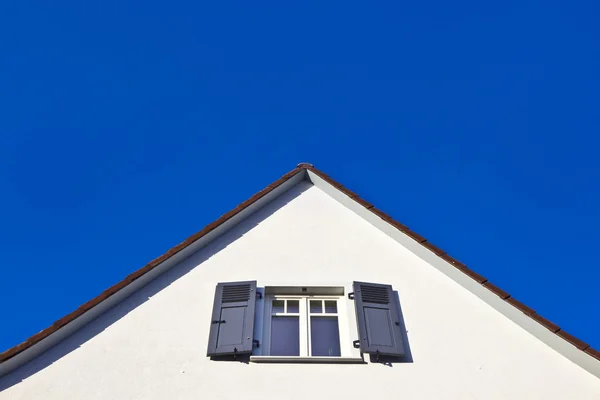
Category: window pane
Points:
column 285, row 336
column 277, row 306
column 316, row 306
column 324, row 336
column 330, row 306
column 293, row 306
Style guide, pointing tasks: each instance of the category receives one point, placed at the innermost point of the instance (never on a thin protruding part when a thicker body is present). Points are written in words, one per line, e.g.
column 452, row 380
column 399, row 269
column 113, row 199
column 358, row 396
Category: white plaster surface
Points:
column 153, row 345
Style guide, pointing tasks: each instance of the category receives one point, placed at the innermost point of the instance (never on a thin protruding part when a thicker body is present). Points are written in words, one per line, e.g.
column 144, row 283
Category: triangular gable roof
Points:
column 576, row 350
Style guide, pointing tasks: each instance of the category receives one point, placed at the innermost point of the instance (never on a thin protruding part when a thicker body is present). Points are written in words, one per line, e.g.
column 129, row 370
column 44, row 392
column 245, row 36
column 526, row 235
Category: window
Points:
column 324, row 328
column 303, row 326
column 285, row 327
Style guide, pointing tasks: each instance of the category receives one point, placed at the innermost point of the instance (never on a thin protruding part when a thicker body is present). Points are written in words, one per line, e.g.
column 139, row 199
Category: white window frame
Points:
column 322, row 314
column 269, row 317
column 346, row 326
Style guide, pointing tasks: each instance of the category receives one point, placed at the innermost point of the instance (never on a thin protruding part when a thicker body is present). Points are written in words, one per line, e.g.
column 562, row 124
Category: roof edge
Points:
column 129, row 279
column 484, row 282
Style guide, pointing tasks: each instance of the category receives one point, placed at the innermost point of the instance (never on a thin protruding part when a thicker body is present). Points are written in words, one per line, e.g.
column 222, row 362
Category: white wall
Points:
column 153, row 345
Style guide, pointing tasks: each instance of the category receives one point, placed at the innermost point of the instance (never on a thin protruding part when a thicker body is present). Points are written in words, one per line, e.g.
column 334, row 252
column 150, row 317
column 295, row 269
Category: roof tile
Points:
column 580, row 344
column 478, row 277
column 347, row 192
column 363, row 203
column 305, row 165
column 433, row 248
column 415, row 236
column 522, row 307
column 397, row 225
column 284, row 178
column 548, row 324
column 140, row 272
column 59, row 323
column 593, row 352
column 255, row 197
column 5, row 355
column 381, row 214
column 326, row 178
column 447, row 257
column 501, row 293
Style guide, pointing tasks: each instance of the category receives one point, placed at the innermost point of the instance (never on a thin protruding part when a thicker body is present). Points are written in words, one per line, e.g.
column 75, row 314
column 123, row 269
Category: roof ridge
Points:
column 581, row 345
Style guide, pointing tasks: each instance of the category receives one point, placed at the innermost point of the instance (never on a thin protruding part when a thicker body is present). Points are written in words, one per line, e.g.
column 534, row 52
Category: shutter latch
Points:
column 356, row 344
column 351, row 295
column 218, row 321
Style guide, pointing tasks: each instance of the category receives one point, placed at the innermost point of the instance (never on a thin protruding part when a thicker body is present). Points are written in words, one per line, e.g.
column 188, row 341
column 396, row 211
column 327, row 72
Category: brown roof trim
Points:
column 208, row 228
column 493, row 288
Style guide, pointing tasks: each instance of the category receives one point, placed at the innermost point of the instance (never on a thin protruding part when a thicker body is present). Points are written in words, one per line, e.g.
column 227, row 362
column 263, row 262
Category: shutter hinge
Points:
column 377, row 356
column 218, row 321
column 351, row 295
column 235, row 353
column 356, row 344
column 256, row 342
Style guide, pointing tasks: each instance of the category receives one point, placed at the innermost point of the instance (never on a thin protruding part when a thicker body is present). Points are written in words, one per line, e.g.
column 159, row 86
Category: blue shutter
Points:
column 378, row 319
column 232, row 323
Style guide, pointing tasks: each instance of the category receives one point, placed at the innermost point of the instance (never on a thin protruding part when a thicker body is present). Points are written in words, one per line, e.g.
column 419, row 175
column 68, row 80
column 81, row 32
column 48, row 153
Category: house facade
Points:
column 304, row 290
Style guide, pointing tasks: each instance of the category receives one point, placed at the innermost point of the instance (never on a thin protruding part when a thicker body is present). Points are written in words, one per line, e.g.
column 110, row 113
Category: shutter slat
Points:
column 378, row 319
column 232, row 323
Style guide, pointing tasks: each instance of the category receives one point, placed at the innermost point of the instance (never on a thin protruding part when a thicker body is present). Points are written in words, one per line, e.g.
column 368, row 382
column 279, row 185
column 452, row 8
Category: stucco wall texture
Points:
column 153, row 345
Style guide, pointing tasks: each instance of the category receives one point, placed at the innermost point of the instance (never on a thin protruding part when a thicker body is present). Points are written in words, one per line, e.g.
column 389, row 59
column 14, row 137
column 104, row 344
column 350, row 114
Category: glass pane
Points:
column 330, row 306
column 293, row 306
column 316, row 306
column 285, row 336
column 277, row 306
column 324, row 336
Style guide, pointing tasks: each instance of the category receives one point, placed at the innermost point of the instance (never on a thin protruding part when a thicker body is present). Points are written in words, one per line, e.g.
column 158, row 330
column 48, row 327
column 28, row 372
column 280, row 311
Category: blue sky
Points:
column 127, row 126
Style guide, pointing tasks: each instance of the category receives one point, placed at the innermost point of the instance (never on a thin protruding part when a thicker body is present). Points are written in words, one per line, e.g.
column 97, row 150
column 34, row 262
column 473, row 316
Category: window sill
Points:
column 307, row 360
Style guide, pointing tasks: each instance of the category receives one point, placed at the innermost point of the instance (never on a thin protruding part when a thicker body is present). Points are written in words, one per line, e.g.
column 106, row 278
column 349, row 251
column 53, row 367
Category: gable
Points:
column 311, row 232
